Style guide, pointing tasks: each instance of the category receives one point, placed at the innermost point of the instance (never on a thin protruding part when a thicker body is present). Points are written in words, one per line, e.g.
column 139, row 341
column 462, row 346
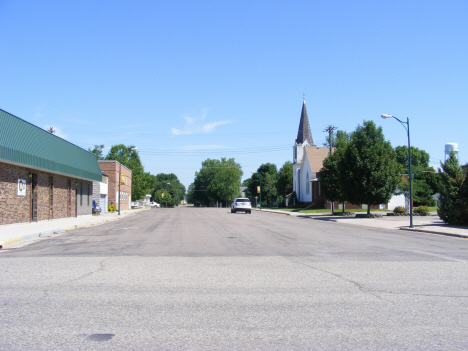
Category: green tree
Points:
column 426, row 179
column 332, row 179
column 269, row 192
column 225, row 185
column 268, row 172
column 369, row 170
column 419, row 158
column 453, row 192
column 97, row 150
column 284, row 182
column 175, row 188
column 422, row 193
column 217, row 181
column 131, row 160
column 164, row 198
column 340, row 138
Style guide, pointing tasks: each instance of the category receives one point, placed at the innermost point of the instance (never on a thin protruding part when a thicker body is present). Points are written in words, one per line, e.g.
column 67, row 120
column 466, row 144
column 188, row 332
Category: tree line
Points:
column 163, row 188
column 365, row 169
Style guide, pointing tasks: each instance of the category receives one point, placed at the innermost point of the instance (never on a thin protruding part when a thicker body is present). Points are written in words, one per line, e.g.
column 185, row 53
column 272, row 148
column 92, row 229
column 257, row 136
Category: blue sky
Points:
column 186, row 81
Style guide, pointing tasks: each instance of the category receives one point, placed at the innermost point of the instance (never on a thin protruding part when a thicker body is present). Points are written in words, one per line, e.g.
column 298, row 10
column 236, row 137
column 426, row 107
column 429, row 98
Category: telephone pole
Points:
column 330, row 129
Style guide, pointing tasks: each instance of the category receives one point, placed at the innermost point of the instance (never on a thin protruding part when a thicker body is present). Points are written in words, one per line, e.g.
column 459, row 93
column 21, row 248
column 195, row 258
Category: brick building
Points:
column 42, row 177
column 111, row 169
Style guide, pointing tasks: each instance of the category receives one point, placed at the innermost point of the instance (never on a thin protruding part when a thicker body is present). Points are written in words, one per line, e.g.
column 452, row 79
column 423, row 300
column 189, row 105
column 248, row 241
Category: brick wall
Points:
column 54, row 195
column 14, row 208
column 111, row 168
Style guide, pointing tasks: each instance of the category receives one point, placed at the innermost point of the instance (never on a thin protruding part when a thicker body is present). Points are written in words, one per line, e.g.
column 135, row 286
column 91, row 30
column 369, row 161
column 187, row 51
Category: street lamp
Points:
column 409, row 159
column 260, row 175
column 120, row 170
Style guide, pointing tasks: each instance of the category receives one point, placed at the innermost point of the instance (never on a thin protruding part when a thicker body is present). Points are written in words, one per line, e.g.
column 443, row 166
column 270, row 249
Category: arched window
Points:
column 307, row 184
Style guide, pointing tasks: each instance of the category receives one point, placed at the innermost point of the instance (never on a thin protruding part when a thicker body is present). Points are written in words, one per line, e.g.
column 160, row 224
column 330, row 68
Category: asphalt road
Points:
column 206, row 279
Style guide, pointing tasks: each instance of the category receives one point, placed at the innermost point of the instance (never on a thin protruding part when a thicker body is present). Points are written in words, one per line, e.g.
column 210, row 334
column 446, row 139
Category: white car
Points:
column 154, row 204
column 241, row 204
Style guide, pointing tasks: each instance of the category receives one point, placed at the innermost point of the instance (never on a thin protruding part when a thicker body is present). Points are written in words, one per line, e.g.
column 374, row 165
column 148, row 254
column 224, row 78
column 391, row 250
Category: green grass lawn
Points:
column 322, row 210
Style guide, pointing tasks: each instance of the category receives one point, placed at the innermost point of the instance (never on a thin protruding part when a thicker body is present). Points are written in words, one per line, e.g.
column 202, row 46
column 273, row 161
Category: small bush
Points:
column 400, row 209
column 112, row 208
column 422, row 210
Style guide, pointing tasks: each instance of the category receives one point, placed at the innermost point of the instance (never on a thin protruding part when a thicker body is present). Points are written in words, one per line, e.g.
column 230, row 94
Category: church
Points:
column 307, row 162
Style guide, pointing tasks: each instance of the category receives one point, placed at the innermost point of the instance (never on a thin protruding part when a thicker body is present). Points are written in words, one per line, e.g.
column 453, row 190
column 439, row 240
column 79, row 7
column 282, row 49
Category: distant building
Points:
column 307, row 162
column 42, row 176
column 111, row 169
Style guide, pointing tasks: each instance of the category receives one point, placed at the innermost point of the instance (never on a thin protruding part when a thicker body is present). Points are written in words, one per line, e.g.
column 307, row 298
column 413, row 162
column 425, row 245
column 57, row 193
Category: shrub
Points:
column 293, row 201
column 400, row 209
column 112, row 208
column 422, row 210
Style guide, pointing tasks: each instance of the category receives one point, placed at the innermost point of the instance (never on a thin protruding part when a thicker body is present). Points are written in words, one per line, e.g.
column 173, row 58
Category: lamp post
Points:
column 409, row 161
column 120, row 170
column 260, row 176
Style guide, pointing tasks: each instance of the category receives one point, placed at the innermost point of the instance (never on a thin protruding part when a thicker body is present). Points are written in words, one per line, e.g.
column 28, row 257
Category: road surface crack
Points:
column 374, row 292
column 45, row 292
column 356, row 284
column 99, row 269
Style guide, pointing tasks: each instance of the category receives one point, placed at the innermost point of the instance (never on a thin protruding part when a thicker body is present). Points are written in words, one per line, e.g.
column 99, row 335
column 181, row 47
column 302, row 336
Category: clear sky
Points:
column 189, row 80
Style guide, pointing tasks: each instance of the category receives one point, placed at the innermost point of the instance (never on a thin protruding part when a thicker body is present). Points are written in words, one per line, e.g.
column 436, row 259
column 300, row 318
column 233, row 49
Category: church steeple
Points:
column 304, row 133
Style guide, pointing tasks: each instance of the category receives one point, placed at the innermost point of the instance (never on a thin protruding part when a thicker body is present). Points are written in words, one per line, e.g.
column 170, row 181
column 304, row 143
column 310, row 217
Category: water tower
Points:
column 449, row 147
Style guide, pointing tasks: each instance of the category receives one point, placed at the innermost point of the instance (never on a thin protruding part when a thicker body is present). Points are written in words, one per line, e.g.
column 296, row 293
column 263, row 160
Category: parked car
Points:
column 154, row 204
column 241, row 204
column 96, row 208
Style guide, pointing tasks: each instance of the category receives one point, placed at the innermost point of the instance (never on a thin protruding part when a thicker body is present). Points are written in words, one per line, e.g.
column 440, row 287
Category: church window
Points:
column 307, row 184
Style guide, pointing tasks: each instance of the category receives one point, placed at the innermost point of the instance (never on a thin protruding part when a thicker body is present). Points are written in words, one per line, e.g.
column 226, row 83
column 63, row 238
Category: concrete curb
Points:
column 50, row 232
column 433, row 232
column 416, row 229
column 44, row 234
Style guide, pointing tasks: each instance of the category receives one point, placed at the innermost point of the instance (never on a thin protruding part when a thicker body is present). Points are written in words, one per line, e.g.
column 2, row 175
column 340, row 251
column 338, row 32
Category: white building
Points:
column 307, row 162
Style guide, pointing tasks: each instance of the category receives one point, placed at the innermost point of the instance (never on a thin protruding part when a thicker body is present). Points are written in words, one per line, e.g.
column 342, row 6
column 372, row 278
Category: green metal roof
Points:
column 27, row 145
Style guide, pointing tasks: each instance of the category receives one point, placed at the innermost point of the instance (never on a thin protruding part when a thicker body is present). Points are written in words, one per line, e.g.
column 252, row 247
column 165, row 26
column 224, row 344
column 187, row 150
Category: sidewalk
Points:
column 428, row 224
column 18, row 232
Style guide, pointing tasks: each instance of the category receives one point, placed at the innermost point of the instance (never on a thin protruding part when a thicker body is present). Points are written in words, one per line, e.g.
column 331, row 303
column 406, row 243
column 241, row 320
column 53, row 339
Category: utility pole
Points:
column 330, row 129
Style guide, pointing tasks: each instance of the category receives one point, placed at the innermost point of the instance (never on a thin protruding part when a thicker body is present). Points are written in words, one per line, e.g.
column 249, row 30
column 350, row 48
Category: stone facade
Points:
column 48, row 196
column 111, row 169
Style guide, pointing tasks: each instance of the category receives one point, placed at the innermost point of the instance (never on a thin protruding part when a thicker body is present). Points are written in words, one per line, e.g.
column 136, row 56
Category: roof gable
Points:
column 315, row 156
column 25, row 144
